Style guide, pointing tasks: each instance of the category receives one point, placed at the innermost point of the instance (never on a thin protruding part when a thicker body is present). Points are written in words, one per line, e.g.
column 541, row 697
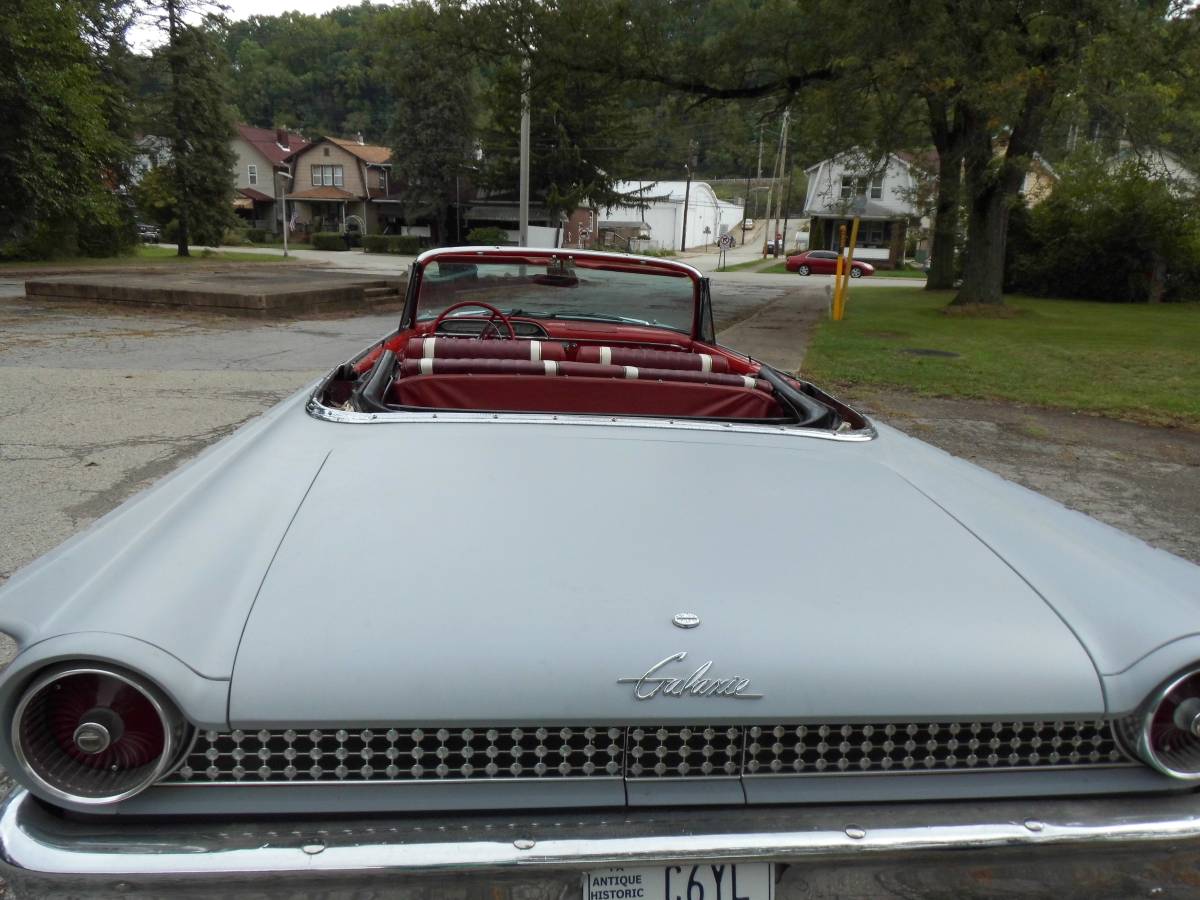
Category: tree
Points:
column 990, row 75
column 199, row 123
column 432, row 132
column 62, row 160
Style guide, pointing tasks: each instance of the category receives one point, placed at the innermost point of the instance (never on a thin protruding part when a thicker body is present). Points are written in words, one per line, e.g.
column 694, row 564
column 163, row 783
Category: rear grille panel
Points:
column 973, row 746
column 305, row 756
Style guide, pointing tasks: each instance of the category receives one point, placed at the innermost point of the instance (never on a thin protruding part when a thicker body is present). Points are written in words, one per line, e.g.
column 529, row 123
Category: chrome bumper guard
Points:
column 1132, row 843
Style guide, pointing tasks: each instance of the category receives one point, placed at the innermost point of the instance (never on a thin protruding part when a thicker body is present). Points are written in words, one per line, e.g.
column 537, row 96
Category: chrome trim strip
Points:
column 476, row 250
column 34, row 842
column 319, row 410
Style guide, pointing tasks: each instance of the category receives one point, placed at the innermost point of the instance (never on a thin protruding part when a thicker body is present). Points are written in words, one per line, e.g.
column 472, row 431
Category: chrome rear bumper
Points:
column 1116, row 846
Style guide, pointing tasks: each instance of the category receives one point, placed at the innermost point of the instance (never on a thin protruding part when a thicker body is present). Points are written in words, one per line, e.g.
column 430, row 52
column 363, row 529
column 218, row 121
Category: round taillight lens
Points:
column 95, row 735
column 1169, row 739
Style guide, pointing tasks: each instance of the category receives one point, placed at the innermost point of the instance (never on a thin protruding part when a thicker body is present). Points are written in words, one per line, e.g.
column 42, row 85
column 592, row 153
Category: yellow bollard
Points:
column 837, row 277
column 845, row 263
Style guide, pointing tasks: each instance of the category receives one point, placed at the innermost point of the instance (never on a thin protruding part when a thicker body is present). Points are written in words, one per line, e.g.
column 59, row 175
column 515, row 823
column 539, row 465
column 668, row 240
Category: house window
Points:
column 326, row 151
column 847, row 187
column 252, row 175
column 327, row 176
column 382, row 180
column 877, row 187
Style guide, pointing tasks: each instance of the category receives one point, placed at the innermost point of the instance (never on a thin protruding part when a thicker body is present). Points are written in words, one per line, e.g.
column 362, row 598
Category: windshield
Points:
column 559, row 289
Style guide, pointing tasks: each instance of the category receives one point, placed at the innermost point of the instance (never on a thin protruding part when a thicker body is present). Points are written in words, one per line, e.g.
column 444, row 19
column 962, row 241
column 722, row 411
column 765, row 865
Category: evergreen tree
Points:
column 62, row 160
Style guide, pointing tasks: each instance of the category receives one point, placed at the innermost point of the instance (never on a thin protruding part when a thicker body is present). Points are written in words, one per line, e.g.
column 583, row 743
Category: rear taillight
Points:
column 95, row 735
column 1167, row 729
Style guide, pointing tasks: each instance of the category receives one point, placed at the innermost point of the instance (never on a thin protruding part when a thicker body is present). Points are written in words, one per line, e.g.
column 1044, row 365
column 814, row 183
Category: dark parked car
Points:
column 824, row 262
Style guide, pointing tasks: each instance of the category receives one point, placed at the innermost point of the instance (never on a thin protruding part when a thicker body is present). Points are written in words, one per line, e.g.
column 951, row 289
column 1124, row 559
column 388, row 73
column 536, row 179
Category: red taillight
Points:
column 93, row 735
column 1170, row 728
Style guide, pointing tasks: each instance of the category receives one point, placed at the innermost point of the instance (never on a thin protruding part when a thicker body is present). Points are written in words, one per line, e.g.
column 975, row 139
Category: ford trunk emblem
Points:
column 686, row 620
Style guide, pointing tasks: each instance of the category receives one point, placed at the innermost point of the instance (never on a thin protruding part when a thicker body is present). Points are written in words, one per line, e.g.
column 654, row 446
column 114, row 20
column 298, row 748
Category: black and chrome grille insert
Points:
column 640, row 752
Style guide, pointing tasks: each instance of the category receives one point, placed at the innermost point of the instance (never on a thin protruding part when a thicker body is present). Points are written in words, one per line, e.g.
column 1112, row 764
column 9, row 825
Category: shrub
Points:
column 256, row 235
column 487, row 235
column 406, row 244
column 376, row 243
column 233, row 237
column 1108, row 233
column 328, row 240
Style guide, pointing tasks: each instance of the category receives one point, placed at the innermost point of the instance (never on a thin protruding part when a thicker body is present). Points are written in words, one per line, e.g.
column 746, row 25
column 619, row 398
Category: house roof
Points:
column 323, row 193
column 265, row 141
column 256, row 196
column 372, row 154
column 649, row 190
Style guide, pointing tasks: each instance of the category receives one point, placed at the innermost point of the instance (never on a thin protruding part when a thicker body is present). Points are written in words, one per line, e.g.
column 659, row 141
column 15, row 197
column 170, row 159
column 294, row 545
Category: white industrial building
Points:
column 656, row 219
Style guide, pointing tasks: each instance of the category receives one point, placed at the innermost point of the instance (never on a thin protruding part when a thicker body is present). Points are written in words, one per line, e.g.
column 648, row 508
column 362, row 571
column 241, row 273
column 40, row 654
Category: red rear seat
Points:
column 474, row 348
column 653, row 359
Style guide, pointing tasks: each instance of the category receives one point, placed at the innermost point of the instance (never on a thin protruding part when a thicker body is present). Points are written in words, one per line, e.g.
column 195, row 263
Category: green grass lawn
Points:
column 899, row 273
column 1127, row 361
column 147, row 253
column 777, row 269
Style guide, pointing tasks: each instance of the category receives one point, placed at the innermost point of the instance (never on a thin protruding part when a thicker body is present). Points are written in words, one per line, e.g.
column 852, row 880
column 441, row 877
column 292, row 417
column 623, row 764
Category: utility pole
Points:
column 760, row 131
column 524, row 189
column 776, row 175
column 783, row 142
column 787, row 205
column 745, row 209
column 687, row 193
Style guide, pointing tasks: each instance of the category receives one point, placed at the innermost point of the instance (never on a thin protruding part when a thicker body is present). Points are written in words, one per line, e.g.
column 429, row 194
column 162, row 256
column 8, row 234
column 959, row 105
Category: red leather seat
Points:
column 474, row 348
column 653, row 359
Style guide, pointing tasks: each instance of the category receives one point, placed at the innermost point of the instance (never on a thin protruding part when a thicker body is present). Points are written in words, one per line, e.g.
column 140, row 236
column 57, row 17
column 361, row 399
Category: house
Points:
column 654, row 216
column 262, row 155
column 343, row 185
column 881, row 192
column 1039, row 181
column 150, row 152
column 1160, row 165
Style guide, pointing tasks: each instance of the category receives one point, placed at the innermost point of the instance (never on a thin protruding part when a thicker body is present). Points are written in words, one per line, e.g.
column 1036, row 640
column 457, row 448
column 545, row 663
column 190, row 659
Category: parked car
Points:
column 547, row 581
column 824, row 262
column 748, row 224
column 148, row 234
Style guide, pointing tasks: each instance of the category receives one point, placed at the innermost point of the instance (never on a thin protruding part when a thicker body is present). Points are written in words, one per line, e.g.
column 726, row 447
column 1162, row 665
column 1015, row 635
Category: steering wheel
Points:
column 496, row 316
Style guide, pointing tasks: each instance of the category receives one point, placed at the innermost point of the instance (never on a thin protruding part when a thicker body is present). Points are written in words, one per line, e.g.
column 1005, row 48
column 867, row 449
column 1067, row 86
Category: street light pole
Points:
column 524, row 177
column 283, row 197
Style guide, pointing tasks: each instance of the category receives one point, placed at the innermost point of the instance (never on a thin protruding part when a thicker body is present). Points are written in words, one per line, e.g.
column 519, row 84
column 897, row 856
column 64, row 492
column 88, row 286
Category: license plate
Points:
column 682, row 881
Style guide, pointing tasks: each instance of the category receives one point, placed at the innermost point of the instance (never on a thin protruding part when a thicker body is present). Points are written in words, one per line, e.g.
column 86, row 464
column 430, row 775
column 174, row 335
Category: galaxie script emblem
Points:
column 697, row 684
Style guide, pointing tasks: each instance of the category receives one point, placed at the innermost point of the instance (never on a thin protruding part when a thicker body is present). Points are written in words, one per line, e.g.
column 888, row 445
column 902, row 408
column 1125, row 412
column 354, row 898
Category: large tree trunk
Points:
column 945, row 223
column 987, row 224
column 993, row 185
column 948, row 139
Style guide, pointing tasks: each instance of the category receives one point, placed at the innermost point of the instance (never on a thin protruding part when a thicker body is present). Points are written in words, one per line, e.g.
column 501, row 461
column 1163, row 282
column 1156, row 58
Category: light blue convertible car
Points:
column 548, row 594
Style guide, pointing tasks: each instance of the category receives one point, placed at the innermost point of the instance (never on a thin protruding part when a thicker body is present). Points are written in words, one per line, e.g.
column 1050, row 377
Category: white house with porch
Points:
column 880, row 192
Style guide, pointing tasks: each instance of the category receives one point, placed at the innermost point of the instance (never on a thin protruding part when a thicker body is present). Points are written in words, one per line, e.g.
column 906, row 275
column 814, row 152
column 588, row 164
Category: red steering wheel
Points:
column 496, row 316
